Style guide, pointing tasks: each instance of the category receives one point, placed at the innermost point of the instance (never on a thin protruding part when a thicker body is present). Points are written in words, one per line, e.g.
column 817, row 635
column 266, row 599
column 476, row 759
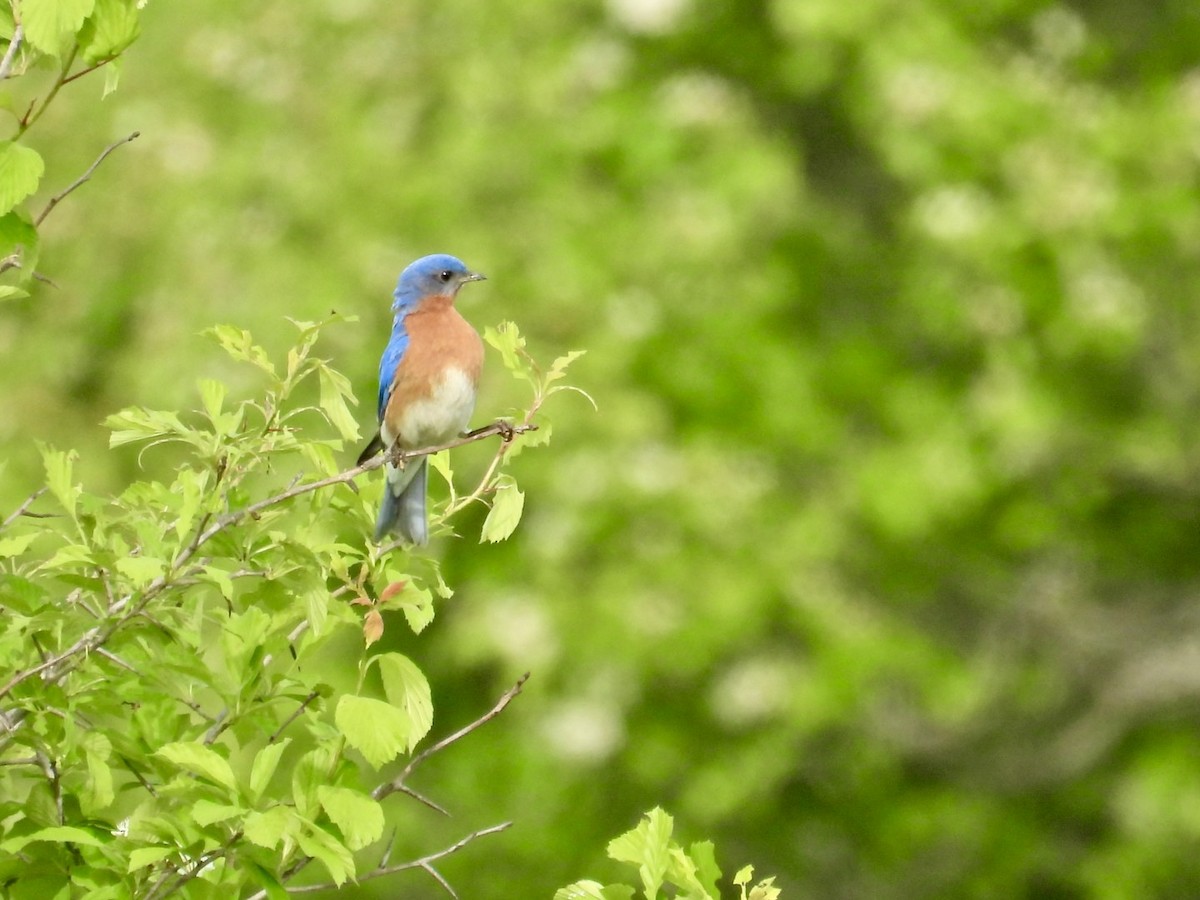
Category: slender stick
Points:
column 84, row 178
column 10, row 54
column 397, row 783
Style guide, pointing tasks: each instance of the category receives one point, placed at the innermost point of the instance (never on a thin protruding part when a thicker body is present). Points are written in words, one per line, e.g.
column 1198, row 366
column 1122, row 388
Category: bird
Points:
column 428, row 377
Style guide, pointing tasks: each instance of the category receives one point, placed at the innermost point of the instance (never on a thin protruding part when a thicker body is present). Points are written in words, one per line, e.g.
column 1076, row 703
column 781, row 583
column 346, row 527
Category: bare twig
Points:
column 85, row 177
column 397, row 783
column 422, row 799
column 425, row 862
column 295, row 715
column 10, row 54
column 23, row 508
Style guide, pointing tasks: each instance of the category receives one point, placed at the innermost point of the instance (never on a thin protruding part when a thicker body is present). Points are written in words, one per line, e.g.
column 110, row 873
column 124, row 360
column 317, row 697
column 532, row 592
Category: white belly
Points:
column 438, row 418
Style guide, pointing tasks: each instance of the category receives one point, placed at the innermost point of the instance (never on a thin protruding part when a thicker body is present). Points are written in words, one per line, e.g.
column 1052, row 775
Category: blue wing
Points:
column 390, row 362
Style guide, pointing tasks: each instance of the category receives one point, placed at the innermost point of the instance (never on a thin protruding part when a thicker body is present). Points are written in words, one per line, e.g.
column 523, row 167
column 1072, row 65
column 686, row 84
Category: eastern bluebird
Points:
column 427, row 381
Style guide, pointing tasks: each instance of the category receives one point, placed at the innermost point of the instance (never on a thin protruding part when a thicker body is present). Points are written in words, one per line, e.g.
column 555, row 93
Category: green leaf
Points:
column 190, row 483
column 507, row 506
column 48, row 22
column 507, row 339
column 59, row 468
column 12, row 292
column 141, row 570
column 743, row 876
column 201, row 760
column 270, row 883
column 268, row 828
column 266, row 761
column 591, row 890
column 406, row 687
column 309, row 773
column 765, row 890
column 647, row 847
column 558, row 368
column 212, row 395
column 316, row 603
column 148, row 856
column 240, row 345
column 377, row 730
column 417, row 605
column 205, row 812
column 335, row 391
column 112, row 26
column 704, row 854
column 19, row 237
column 332, row 853
column 358, row 817
column 59, row 834
column 16, row 545
column 98, row 791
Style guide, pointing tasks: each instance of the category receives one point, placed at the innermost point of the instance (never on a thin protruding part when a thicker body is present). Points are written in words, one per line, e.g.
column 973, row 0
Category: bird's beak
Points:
column 475, row 276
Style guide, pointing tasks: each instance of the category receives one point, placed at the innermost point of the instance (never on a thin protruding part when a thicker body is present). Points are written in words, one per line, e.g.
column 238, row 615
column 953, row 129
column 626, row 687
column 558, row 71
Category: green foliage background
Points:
column 878, row 564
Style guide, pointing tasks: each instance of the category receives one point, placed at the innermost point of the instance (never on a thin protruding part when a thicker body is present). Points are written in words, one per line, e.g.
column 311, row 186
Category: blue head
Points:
column 436, row 275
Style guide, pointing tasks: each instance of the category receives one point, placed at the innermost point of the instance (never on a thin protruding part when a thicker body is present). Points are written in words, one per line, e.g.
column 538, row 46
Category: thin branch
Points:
column 295, row 715
column 35, row 112
column 397, row 783
column 85, row 177
column 92, row 68
column 425, row 862
column 96, row 636
column 421, row 798
column 10, row 54
column 23, row 508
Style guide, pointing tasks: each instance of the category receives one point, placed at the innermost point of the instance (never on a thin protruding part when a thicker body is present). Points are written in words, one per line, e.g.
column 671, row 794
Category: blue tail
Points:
column 403, row 508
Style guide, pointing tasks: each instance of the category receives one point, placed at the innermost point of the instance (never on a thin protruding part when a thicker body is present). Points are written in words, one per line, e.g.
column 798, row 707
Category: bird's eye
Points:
column 445, row 275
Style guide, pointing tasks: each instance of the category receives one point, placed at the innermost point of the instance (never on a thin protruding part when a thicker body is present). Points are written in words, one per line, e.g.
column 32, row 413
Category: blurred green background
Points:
column 879, row 563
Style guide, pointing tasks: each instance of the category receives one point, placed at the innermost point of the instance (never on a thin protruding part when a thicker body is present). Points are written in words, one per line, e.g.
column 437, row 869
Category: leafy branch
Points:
column 204, row 612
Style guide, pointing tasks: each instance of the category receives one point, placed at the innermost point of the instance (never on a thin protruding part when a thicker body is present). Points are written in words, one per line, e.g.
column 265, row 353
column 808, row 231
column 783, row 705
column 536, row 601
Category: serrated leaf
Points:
column 309, row 773
column 141, row 570
column 15, row 545
column 592, row 890
column 148, row 856
column 98, row 790
column 266, row 761
column 316, row 604
column 648, row 847
column 205, row 812
column 269, row 827
column 332, row 853
column 372, row 627
column 506, row 338
column 19, row 237
column 335, row 391
column 112, row 26
column 558, row 368
column 190, row 484
column 21, row 170
column 58, row 834
column 357, row 816
column 59, row 471
column 507, row 505
column 240, row 345
column 48, row 22
column 406, row 687
column 212, row 395
column 765, row 890
column 417, row 605
column 201, row 760
column 708, row 873
column 377, row 730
